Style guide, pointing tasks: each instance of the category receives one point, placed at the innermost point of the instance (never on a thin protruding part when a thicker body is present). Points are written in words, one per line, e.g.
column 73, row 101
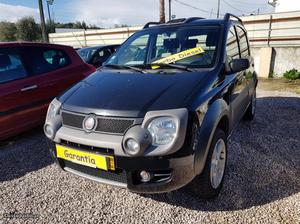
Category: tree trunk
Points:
column 162, row 17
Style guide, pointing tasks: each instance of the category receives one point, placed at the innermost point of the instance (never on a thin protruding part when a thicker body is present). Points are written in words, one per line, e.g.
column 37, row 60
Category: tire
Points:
column 203, row 186
column 250, row 112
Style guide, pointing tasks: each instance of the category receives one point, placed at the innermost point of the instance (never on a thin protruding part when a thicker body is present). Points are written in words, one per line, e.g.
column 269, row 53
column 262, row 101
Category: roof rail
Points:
column 180, row 20
column 228, row 15
column 151, row 23
column 191, row 19
column 184, row 20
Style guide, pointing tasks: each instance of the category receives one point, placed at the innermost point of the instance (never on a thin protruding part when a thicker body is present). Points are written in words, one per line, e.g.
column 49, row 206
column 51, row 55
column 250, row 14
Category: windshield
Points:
column 86, row 53
column 190, row 46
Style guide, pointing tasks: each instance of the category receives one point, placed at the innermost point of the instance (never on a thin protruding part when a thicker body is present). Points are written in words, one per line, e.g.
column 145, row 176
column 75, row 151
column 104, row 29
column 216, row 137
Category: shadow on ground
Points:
column 23, row 154
column 264, row 161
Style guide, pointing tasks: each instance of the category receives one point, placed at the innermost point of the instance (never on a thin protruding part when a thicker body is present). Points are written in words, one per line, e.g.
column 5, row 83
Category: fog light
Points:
column 49, row 131
column 145, row 176
column 132, row 147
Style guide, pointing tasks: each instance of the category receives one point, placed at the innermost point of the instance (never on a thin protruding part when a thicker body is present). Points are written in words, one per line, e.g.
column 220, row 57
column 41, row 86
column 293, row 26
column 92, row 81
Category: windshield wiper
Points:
column 181, row 67
column 136, row 69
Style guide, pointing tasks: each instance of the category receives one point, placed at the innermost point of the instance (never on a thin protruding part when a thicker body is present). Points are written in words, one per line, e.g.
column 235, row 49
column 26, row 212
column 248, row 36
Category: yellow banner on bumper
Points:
column 85, row 158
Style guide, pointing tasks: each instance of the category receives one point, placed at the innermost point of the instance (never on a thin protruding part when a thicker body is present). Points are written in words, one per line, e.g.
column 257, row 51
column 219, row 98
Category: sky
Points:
column 106, row 13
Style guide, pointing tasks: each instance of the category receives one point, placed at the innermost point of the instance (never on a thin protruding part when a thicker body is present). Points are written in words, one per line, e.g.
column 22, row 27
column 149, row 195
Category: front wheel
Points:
column 209, row 183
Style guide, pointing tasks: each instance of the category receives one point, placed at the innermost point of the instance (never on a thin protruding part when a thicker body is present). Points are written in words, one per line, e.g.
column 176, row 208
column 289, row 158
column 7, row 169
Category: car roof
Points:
column 31, row 44
column 227, row 20
column 100, row 46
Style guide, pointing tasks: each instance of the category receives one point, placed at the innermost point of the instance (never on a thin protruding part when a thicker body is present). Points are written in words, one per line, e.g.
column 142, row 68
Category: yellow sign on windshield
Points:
column 178, row 56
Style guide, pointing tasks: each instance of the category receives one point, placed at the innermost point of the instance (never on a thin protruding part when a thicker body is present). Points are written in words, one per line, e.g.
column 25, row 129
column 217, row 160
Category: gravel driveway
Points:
column 262, row 184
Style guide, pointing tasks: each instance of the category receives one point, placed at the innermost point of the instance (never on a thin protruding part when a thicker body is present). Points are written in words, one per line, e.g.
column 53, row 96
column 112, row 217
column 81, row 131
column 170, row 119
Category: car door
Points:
column 245, row 53
column 17, row 93
column 51, row 70
column 239, row 89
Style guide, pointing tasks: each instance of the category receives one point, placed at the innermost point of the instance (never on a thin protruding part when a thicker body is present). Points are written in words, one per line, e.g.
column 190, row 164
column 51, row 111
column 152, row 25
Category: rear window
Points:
column 11, row 66
column 43, row 60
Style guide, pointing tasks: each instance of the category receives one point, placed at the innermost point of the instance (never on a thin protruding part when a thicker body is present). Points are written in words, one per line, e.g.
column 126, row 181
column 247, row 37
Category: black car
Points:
column 97, row 55
column 157, row 116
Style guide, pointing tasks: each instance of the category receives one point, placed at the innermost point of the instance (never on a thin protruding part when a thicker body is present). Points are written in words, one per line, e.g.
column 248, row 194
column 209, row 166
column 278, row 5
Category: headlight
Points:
column 53, row 109
column 53, row 121
column 163, row 130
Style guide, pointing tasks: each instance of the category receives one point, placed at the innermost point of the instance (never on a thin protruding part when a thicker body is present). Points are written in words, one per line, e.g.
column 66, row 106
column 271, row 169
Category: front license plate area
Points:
column 85, row 158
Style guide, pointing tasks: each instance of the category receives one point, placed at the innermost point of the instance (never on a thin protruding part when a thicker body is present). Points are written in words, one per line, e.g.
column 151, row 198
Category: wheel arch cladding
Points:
column 217, row 116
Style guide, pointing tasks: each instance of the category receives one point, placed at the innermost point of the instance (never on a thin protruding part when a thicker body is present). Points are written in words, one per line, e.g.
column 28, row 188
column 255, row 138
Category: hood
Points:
column 131, row 94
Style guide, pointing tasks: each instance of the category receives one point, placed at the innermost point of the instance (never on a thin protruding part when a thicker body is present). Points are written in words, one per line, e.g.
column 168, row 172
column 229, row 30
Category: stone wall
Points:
column 277, row 62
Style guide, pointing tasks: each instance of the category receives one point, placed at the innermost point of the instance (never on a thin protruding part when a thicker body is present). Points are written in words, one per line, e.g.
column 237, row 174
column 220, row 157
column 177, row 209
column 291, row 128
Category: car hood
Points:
column 131, row 94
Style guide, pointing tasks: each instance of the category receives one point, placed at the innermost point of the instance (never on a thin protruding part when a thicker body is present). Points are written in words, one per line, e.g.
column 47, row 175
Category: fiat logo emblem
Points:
column 90, row 123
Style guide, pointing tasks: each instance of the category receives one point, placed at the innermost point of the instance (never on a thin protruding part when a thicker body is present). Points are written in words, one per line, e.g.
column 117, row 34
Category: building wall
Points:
column 286, row 59
column 281, row 60
column 287, row 5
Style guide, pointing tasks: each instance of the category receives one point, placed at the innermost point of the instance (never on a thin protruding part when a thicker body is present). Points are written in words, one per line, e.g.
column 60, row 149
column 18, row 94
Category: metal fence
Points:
column 274, row 30
column 93, row 37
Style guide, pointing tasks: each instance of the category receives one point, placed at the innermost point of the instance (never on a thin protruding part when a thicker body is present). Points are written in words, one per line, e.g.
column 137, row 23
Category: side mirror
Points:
column 238, row 65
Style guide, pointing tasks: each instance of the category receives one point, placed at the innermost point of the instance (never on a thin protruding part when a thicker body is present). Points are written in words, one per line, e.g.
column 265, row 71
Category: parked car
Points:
column 157, row 116
column 97, row 55
column 31, row 75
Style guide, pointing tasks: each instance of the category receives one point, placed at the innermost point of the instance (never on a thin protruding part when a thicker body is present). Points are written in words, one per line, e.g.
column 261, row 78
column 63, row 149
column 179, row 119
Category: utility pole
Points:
column 218, row 12
column 43, row 26
column 162, row 17
column 48, row 7
column 170, row 10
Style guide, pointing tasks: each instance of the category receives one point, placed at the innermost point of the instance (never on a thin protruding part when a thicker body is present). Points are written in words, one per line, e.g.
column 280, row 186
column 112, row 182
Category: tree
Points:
column 121, row 25
column 8, row 31
column 27, row 29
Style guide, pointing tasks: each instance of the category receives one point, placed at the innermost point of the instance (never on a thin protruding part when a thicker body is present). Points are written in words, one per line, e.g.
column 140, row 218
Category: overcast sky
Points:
column 106, row 13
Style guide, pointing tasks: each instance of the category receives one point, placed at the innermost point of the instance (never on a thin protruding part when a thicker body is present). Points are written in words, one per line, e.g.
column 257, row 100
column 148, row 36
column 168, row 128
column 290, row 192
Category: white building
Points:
column 285, row 5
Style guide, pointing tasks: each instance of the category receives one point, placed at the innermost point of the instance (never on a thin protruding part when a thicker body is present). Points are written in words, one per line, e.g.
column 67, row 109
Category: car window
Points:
column 194, row 46
column 86, row 53
column 11, row 66
column 105, row 53
column 134, row 53
column 114, row 49
column 43, row 60
column 243, row 42
column 232, row 48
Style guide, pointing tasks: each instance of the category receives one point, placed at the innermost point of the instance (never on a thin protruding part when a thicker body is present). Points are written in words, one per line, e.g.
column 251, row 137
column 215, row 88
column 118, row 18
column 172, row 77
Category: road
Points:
column 262, row 184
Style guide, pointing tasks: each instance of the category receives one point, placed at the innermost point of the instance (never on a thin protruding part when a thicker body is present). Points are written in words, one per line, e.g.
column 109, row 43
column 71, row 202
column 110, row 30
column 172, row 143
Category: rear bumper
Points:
column 168, row 173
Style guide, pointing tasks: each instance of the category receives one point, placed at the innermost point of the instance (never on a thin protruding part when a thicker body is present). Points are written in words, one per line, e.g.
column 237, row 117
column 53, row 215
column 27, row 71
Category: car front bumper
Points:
column 167, row 173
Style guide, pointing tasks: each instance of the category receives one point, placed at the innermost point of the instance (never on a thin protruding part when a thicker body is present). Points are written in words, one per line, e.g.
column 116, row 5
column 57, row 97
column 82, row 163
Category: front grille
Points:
column 113, row 125
column 72, row 120
column 117, row 176
column 105, row 124
column 73, row 145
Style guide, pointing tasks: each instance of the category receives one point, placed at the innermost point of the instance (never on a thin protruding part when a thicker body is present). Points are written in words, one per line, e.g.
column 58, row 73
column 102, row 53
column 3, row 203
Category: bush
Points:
column 292, row 74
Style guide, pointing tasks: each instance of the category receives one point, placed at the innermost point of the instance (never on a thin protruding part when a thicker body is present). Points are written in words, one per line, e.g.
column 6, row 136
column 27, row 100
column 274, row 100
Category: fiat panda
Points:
column 158, row 114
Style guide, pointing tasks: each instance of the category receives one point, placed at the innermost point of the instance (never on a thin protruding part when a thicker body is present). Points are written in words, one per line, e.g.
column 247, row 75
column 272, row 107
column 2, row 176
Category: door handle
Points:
column 28, row 88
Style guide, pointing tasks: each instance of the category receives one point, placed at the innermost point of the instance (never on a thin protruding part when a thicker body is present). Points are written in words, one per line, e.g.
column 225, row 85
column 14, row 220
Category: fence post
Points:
column 84, row 36
column 270, row 30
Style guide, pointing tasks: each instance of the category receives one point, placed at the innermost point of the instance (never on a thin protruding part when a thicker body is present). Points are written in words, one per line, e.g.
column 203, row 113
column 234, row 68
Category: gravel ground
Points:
column 262, row 184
